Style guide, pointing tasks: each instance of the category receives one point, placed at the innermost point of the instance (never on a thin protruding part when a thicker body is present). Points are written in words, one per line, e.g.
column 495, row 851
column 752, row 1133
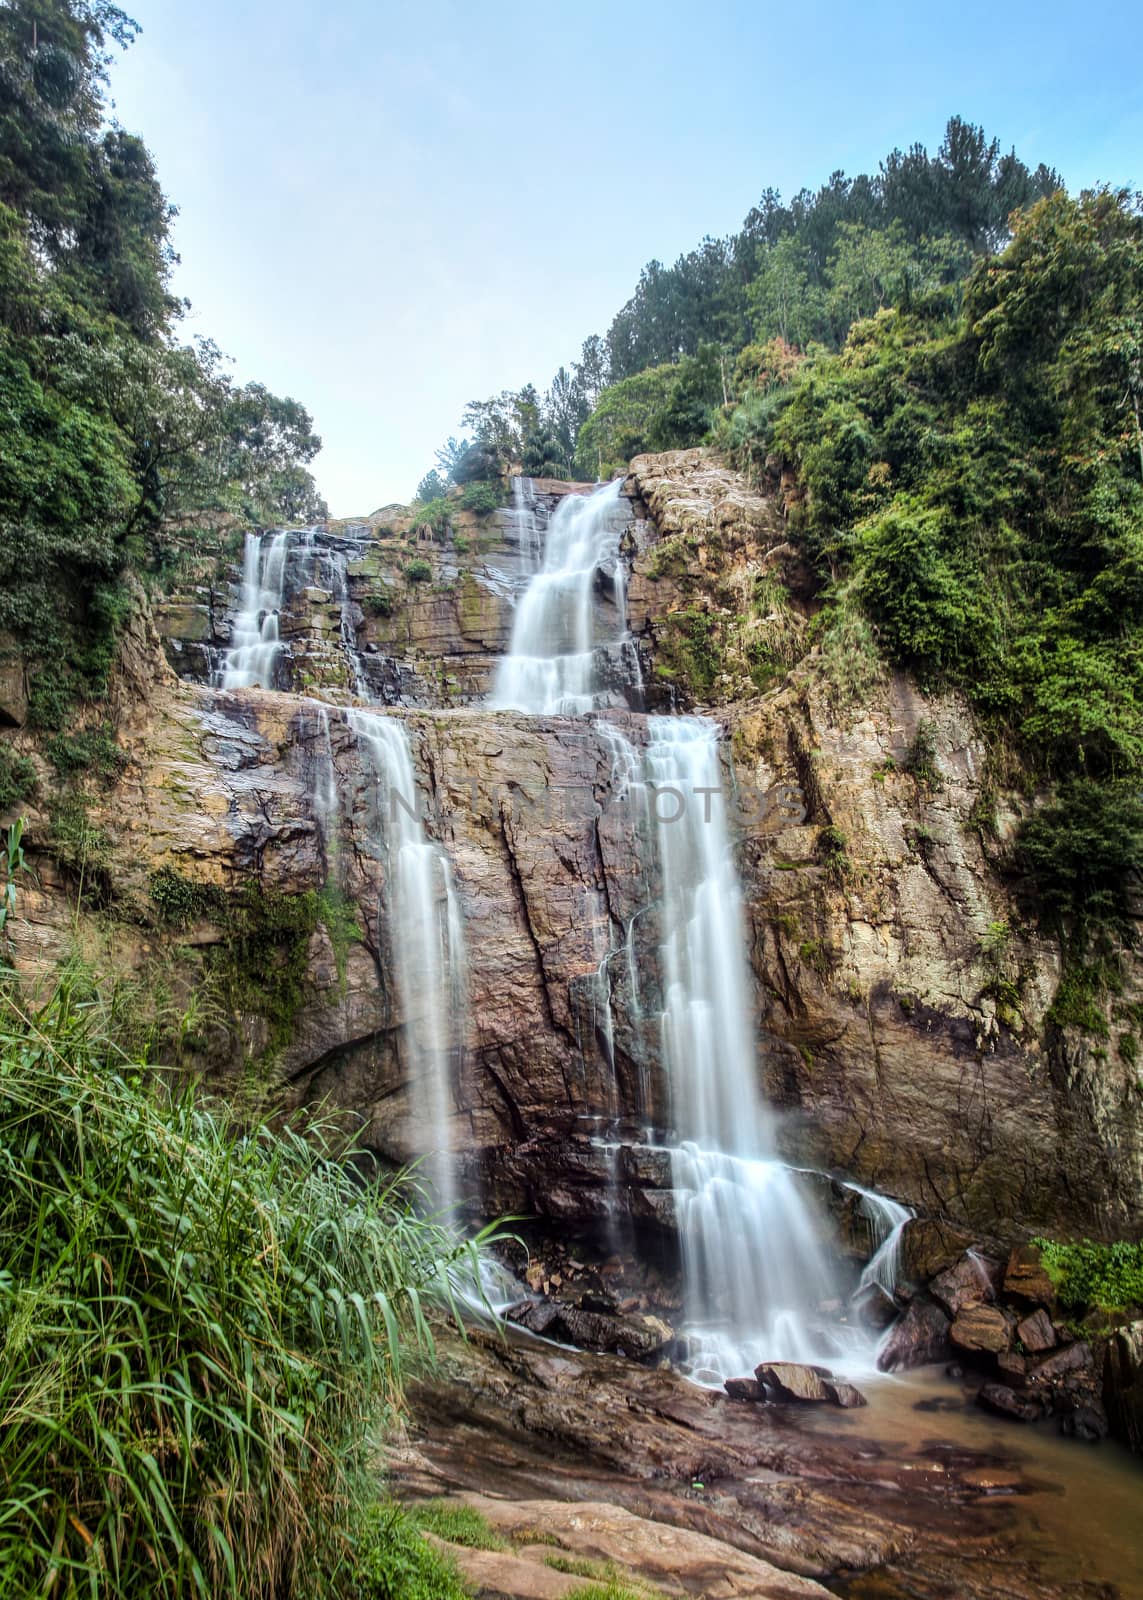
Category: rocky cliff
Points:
column 903, row 1005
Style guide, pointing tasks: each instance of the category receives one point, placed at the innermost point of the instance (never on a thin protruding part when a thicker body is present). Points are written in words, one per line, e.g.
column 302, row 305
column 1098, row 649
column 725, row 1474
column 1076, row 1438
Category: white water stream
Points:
column 551, row 667
column 426, row 939
column 255, row 642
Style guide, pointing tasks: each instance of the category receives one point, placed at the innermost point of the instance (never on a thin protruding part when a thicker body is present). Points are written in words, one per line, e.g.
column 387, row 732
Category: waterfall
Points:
column 255, row 645
column 426, row 940
column 525, row 523
column 755, row 1267
column 554, row 658
column 887, row 1219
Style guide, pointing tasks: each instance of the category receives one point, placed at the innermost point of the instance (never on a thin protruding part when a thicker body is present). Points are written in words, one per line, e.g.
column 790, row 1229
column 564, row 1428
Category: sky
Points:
column 388, row 210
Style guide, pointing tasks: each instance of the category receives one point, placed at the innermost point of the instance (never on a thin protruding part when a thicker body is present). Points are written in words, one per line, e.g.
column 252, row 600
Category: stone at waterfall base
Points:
column 641, row 1338
column 921, row 1336
column 793, row 1380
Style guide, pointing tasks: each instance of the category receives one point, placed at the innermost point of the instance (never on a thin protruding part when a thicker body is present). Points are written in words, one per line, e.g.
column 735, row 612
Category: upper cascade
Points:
column 255, row 641
column 557, row 663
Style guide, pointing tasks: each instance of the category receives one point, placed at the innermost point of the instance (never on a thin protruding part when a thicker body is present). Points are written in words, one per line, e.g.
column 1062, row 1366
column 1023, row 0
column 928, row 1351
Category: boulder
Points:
column 1085, row 1423
column 1060, row 1363
column 974, row 1278
column 875, row 1306
column 792, row 1380
column 1005, row 1402
column 745, row 1389
column 1036, row 1333
column 1012, row 1368
column 920, row 1336
column 983, row 1330
column 639, row 1338
column 1026, row 1278
column 846, row 1395
column 1123, row 1385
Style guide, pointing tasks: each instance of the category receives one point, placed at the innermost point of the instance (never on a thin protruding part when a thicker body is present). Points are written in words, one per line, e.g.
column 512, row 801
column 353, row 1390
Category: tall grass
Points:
column 201, row 1331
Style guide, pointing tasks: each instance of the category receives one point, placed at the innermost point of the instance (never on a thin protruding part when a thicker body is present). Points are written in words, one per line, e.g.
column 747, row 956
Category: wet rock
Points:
column 745, row 1389
column 1072, row 1358
column 875, row 1306
column 1026, row 1278
column 981, row 1330
column 972, row 1279
column 1036, row 1333
column 792, row 1380
column 846, row 1395
column 929, row 1247
column 1085, row 1423
column 639, row 1338
column 921, row 1335
column 1123, row 1384
column 1012, row 1367
column 1005, row 1402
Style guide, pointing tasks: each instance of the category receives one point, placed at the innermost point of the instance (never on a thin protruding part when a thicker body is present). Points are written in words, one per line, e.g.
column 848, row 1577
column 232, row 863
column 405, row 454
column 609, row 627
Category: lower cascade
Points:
column 426, row 941
column 756, row 1270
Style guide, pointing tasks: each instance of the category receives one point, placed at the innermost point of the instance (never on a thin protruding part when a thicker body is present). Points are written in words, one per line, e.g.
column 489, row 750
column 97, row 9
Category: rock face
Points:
column 888, row 1031
column 1123, row 1385
column 980, row 1328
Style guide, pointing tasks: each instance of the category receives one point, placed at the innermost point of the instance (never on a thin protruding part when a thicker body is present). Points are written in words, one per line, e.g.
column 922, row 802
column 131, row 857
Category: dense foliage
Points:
column 799, row 272
column 972, row 480
column 200, row 1329
column 116, row 435
column 1095, row 1277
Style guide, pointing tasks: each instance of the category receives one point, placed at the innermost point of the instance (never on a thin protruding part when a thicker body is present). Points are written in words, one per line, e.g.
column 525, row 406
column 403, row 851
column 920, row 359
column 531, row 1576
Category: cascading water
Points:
column 552, row 664
column 426, row 937
column 887, row 1219
column 255, row 644
column 755, row 1266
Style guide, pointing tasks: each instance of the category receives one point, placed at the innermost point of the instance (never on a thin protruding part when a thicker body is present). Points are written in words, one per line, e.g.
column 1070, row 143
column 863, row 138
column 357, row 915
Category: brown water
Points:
column 1084, row 1518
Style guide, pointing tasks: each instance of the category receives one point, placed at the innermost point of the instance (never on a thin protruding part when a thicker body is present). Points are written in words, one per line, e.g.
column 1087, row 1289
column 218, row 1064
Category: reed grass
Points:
column 203, row 1329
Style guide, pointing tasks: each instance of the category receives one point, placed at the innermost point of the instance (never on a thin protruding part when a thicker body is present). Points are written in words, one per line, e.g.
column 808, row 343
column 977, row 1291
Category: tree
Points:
column 783, row 303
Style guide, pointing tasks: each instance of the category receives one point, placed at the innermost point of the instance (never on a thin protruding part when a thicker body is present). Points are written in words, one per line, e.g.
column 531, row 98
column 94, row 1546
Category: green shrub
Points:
column 433, row 514
column 832, row 852
column 1099, row 1277
column 418, row 570
column 203, row 1327
column 378, row 603
column 482, row 498
column 1079, row 854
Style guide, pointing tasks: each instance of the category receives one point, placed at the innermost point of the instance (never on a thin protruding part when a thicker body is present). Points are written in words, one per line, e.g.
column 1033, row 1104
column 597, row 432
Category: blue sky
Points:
column 388, row 210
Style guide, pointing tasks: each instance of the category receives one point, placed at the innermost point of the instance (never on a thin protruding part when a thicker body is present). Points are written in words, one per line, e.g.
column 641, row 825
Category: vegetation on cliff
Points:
column 116, row 430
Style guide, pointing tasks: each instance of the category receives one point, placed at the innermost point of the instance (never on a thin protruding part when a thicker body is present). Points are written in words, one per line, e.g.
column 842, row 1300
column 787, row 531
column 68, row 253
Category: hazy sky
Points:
column 388, row 210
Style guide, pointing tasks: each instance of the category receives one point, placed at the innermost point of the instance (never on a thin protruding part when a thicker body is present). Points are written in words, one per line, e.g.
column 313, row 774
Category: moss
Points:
column 181, row 901
column 1080, row 999
column 80, row 848
column 815, row 955
column 338, row 915
column 91, row 750
column 831, row 851
column 921, row 756
column 689, row 647
column 17, row 778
